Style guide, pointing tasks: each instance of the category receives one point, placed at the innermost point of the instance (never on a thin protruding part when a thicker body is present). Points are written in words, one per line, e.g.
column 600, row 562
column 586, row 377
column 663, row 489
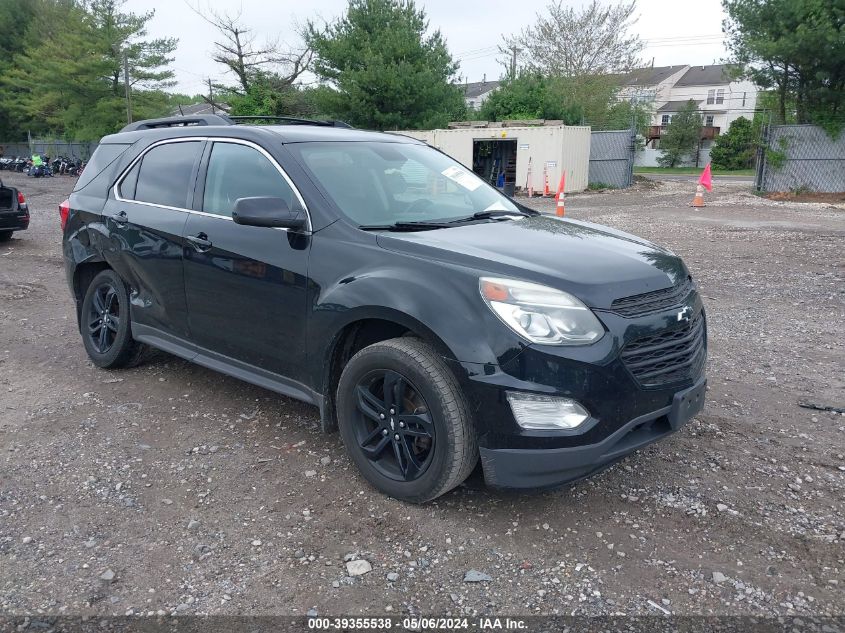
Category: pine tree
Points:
column 380, row 69
column 681, row 136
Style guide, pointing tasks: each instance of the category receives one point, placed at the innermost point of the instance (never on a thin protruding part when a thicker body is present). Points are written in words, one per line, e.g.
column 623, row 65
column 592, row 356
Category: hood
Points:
column 595, row 263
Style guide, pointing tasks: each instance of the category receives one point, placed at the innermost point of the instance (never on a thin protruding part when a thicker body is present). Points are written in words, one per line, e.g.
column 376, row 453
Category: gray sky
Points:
column 676, row 31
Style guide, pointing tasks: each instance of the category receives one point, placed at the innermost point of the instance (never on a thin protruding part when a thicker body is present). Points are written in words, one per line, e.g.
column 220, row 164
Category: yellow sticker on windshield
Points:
column 461, row 176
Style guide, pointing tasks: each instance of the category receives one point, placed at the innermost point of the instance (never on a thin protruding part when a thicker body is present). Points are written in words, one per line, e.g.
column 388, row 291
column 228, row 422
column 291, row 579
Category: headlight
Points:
column 539, row 313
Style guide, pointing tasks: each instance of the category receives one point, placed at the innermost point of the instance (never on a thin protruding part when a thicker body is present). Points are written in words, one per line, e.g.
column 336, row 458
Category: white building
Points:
column 720, row 98
column 475, row 94
column 650, row 85
column 667, row 89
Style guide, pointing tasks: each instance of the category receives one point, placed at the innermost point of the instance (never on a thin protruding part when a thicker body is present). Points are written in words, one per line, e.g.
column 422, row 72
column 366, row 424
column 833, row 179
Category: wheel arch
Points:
column 83, row 275
column 366, row 327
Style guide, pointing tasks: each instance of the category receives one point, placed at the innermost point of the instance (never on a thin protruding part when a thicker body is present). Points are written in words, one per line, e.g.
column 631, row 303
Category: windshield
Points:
column 377, row 184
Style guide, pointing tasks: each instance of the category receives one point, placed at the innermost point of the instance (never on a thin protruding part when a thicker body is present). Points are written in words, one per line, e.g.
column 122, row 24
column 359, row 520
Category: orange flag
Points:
column 706, row 179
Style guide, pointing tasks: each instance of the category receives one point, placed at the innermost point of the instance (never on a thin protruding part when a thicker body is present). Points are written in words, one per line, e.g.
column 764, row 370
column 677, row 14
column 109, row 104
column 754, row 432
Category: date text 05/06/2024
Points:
column 417, row 623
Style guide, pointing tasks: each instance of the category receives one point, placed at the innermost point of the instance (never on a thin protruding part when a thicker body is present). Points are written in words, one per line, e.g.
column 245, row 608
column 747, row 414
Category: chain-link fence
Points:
column 54, row 148
column 612, row 158
column 800, row 158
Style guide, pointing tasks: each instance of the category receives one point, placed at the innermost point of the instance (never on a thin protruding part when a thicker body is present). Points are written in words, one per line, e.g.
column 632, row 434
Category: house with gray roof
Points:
column 720, row 96
column 476, row 93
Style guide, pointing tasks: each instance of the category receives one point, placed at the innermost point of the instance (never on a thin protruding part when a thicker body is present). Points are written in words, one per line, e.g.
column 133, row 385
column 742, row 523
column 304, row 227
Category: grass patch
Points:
column 692, row 170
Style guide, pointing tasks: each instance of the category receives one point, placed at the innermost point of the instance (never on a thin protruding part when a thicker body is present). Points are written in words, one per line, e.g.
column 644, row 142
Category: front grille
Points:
column 672, row 356
column 655, row 301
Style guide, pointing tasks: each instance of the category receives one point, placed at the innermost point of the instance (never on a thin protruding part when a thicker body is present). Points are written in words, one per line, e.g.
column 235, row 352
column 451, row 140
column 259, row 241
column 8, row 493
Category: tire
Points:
column 5, row 236
column 108, row 345
column 430, row 441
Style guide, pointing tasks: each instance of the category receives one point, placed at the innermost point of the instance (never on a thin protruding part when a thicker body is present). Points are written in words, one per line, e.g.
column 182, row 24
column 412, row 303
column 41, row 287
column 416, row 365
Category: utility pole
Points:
column 126, row 83
column 211, row 96
column 514, row 51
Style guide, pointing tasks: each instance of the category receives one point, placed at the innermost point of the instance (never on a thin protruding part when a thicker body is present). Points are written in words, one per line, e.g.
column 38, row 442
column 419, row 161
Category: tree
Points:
column 271, row 95
column 528, row 96
column 69, row 78
column 681, row 136
column 735, row 148
column 17, row 14
column 380, row 69
column 585, row 100
column 566, row 42
column 238, row 51
column 795, row 47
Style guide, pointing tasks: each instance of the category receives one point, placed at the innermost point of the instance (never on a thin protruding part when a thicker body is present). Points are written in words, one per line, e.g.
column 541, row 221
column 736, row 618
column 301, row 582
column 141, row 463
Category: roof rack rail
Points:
column 291, row 120
column 178, row 121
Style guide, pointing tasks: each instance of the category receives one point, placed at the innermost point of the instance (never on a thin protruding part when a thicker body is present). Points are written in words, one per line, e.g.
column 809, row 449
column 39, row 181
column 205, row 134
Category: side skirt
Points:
column 226, row 365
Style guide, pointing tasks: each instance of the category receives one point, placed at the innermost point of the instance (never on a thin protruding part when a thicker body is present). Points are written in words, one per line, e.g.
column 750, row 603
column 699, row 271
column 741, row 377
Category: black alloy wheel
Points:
column 393, row 427
column 105, row 324
column 405, row 421
column 104, row 317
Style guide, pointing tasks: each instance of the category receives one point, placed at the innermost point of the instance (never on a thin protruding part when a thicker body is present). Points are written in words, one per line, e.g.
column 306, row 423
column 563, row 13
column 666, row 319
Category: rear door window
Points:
column 165, row 174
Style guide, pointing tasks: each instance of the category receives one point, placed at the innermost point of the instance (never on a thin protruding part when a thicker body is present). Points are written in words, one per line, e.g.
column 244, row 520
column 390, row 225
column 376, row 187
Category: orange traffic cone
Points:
column 546, row 191
column 698, row 201
column 560, row 198
column 704, row 182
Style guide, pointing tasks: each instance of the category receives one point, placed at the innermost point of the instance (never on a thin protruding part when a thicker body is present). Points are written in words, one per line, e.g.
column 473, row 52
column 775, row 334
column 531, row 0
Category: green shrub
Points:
column 735, row 148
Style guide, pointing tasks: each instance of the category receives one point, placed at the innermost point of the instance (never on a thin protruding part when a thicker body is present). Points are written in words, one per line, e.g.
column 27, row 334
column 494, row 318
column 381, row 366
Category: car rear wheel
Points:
column 5, row 236
column 404, row 420
column 105, row 325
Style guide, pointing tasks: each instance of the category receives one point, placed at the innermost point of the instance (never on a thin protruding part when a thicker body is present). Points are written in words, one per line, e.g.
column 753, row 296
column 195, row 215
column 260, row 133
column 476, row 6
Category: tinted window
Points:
column 102, row 157
column 127, row 185
column 165, row 175
column 238, row 171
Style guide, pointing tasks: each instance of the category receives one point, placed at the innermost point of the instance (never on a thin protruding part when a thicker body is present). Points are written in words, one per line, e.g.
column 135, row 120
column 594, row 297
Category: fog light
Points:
column 535, row 411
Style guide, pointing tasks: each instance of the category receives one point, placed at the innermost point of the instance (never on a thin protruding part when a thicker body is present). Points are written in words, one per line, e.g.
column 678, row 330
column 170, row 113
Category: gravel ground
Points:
column 171, row 489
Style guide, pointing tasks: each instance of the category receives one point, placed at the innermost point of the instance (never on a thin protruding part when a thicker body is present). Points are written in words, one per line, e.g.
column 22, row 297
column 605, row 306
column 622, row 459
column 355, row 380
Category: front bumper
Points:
column 627, row 412
column 544, row 468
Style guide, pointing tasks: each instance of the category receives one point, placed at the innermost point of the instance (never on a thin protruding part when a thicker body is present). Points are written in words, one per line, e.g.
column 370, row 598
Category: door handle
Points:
column 200, row 242
column 121, row 218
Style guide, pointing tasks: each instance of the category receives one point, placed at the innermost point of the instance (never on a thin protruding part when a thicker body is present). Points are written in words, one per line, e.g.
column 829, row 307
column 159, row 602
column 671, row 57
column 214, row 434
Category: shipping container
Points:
column 501, row 155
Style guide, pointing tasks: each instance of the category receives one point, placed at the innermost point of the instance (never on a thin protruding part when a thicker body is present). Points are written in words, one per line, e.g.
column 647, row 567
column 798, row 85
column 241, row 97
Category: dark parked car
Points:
column 431, row 319
column 14, row 212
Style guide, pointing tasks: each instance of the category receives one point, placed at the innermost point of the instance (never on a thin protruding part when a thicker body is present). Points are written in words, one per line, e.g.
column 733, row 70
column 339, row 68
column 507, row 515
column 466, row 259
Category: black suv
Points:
column 430, row 318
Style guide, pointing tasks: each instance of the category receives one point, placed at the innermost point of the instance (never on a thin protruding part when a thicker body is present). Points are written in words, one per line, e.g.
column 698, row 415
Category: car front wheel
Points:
column 405, row 421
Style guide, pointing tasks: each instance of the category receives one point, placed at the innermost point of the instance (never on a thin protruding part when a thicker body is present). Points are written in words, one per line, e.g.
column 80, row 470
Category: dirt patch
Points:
column 790, row 196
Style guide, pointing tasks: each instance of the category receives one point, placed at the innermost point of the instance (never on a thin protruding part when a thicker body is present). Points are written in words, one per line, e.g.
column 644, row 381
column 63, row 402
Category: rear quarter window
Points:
column 103, row 156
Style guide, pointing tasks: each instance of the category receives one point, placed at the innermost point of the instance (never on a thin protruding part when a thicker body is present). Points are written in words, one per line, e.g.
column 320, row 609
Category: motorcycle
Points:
column 40, row 171
column 75, row 168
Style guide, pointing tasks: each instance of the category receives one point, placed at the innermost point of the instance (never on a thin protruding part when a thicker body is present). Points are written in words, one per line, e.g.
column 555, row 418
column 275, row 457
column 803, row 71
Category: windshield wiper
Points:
column 420, row 225
column 487, row 215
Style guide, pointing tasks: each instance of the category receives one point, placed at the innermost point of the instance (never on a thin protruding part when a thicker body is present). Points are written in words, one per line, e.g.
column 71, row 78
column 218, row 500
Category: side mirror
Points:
column 268, row 212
